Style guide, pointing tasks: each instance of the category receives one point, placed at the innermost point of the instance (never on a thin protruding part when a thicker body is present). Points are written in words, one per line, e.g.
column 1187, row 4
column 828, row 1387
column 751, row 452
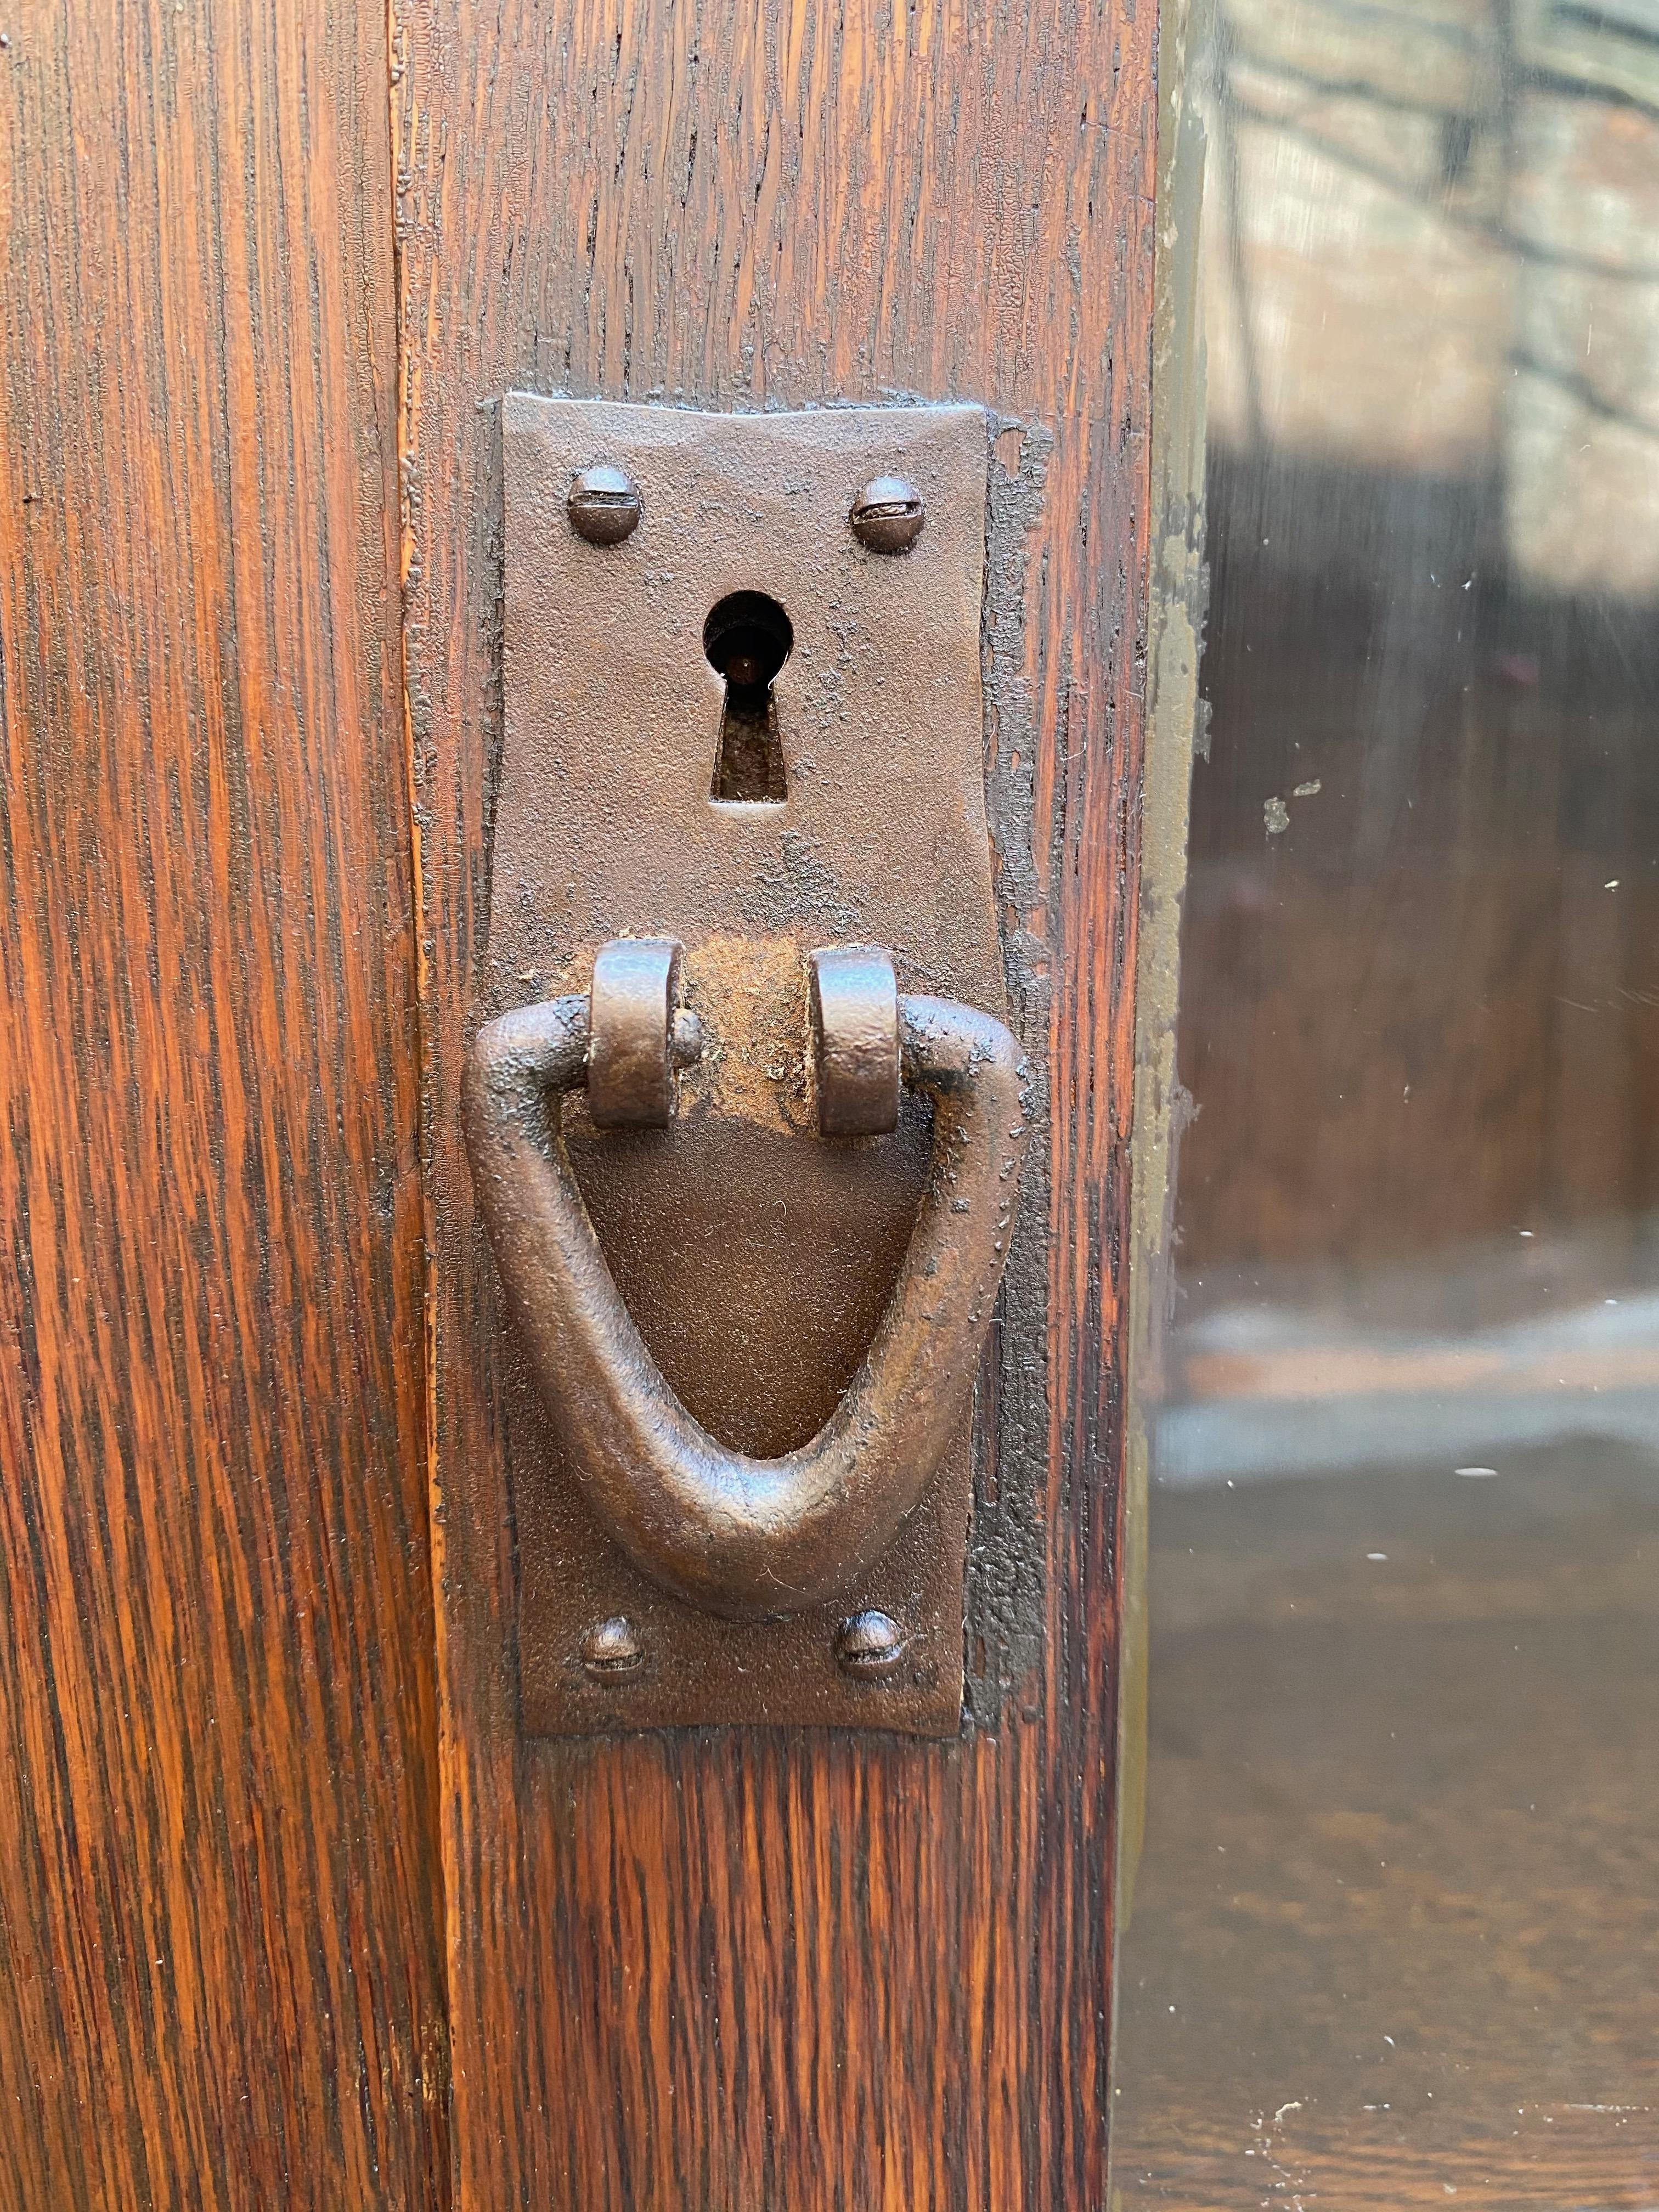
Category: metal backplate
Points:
column 755, row 1256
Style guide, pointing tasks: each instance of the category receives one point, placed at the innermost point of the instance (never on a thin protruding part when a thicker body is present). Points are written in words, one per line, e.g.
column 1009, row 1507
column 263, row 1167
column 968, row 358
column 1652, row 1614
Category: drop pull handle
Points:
column 746, row 1538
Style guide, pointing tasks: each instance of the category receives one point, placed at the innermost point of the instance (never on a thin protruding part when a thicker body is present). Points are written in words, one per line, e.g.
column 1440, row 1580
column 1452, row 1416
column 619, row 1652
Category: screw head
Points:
column 870, row 1646
column 603, row 504
column 888, row 515
column 611, row 1650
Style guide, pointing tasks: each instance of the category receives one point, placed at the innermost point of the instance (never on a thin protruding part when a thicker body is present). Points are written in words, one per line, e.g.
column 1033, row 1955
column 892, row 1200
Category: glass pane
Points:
column 1394, row 1930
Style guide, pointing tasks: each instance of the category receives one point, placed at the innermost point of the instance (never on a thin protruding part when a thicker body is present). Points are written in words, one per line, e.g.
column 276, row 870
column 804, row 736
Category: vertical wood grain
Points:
column 742, row 1970
column 220, row 1958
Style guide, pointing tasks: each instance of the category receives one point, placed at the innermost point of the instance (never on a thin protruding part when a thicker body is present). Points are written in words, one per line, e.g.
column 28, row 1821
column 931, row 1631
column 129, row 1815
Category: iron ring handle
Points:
column 750, row 1539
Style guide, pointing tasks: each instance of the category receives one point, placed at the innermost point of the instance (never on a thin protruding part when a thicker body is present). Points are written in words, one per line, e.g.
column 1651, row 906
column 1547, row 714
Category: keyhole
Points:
column 747, row 638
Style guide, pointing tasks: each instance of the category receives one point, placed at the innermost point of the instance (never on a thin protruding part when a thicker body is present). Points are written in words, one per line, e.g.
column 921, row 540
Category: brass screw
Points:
column 888, row 515
column 870, row 1646
column 611, row 1650
column 603, row 504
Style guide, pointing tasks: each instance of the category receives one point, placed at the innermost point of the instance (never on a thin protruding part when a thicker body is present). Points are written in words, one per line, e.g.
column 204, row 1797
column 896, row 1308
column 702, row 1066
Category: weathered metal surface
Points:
column 631, row 1005
column 749, row 1538
column 852, row 1005
column 755, row 1261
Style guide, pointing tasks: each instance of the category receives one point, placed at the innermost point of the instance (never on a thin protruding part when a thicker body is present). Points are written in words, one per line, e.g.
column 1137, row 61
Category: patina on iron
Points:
column 745, row 1537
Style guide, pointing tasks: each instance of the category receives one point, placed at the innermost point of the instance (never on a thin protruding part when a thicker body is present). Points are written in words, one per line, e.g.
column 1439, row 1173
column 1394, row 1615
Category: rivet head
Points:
column 611, row 1650
column 888, row 515
column 870, row 1646
column 603, row 504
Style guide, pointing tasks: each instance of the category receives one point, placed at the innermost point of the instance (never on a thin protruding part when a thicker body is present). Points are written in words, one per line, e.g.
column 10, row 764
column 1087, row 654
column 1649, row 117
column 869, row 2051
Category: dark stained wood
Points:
column 220, row 1962
column 740, row 1970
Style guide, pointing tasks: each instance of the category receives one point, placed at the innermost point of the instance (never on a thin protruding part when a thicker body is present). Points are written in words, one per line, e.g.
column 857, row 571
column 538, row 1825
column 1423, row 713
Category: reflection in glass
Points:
column 1395, row 1937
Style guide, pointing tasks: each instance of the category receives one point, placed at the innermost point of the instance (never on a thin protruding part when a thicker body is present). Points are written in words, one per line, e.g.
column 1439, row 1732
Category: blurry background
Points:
column 1395, row 1934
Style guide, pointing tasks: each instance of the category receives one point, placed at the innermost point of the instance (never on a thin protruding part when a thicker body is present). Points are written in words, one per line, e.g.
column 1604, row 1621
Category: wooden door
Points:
column 221, row 1974
column 300, row 1913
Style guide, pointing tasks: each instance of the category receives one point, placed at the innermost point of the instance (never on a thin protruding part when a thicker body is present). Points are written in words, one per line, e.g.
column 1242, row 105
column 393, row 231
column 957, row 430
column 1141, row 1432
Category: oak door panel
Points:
column 220, row 1967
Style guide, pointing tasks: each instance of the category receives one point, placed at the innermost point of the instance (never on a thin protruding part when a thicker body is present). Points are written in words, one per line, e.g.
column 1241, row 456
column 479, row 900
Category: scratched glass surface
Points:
column 1395, row 1934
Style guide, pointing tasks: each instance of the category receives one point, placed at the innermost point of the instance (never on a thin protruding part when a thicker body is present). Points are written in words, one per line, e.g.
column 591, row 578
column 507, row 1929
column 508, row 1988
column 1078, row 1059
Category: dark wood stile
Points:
column 742, row 1970
column 221, row 1976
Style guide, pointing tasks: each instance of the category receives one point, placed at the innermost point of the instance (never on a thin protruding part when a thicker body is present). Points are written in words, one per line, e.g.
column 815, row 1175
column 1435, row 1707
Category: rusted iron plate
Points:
column 755, row 1259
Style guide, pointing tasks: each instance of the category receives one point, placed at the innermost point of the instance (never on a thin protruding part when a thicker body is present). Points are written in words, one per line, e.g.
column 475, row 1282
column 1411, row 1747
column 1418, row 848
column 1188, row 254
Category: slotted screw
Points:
column 888, row 515
column 603, row 504
column 870, row 1646
column 611, row 1650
